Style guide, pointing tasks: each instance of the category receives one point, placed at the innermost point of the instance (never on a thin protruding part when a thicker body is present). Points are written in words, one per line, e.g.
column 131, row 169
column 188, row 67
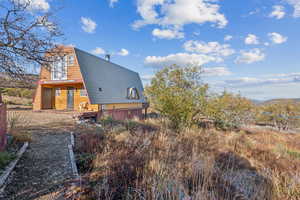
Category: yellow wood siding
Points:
column 82, row 99
column 37, row 104
column 61, row 101
column 73, row 73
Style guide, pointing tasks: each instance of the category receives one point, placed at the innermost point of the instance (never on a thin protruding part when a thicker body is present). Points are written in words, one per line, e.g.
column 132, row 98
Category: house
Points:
column 80, row 81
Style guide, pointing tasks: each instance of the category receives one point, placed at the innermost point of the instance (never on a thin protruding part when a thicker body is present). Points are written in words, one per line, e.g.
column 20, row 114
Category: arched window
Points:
column 132, row 93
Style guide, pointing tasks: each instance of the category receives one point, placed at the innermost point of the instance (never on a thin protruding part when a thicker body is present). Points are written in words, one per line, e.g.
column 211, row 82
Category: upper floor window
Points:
column 71, row 60
column 132, row 93
column 59, row 69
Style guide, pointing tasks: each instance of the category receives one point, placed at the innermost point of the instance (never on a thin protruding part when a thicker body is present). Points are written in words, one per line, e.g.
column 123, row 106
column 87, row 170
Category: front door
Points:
column 47, row 98
column 70, row 99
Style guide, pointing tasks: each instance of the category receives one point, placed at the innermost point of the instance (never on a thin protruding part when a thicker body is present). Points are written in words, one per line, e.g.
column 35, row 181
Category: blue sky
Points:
column 245, row 46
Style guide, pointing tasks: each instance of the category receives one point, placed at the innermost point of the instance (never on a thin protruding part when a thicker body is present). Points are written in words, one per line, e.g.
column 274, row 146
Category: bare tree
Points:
column 25, row 37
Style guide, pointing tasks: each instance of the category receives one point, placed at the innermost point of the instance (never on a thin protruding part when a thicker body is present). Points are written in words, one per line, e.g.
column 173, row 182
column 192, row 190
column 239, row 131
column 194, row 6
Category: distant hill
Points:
column 276, row 101
column 29, row 81
column 257, row 102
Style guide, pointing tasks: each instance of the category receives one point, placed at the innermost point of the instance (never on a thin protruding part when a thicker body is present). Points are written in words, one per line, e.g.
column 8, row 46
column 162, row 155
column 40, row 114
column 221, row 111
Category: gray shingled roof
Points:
column 111, row 78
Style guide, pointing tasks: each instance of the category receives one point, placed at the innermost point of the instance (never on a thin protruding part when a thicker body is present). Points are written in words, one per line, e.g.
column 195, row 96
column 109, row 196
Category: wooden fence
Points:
column 3, row 125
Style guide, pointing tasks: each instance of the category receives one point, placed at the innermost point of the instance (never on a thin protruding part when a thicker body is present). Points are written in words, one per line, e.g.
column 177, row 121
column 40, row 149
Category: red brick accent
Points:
column 3, row 125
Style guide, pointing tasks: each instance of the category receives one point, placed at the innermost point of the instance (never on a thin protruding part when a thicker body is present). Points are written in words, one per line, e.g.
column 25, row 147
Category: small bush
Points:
column 131, row 126
column 18, row 92
column 107, row 121
column 89, row 142
column 84, row 161
column 6, row 158
column 293, row 154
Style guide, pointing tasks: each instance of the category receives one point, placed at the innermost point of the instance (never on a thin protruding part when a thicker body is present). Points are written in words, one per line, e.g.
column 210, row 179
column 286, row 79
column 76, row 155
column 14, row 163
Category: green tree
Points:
column 283, row 115
column 230, row 111
column 178, row 94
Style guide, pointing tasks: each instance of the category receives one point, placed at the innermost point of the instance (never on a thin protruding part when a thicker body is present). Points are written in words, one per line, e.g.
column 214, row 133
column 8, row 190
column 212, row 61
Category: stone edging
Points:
column 12, row 164
column 72, row 139
column 72, row 157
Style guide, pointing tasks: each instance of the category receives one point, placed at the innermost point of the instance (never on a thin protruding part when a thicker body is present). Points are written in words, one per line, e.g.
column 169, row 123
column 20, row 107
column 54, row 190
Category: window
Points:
column 71, row 60
column 132, row 93
column 83, row 93
column 57, row 92
column 59, row 69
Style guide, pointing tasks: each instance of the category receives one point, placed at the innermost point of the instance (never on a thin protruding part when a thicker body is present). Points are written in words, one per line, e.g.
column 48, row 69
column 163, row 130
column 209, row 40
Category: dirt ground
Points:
column 44, row 171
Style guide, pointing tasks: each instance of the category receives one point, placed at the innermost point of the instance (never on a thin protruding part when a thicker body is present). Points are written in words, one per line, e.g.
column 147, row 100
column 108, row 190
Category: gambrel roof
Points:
column 107, row 82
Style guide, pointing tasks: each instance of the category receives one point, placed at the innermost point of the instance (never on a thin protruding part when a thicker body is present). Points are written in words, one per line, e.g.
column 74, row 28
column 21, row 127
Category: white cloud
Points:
column 267, row 80
column 112, row 2
column 196, row 33
column 123, row 52
column 296, row 5
column 206, row 71
column 216, row 71
column 278, row 12
column 98, row 51
column 254, row 12
column 276, row 38
column 35, row 4
column 212, row 48
column 199, row 53
column 147, row 77
column 251, row 56
column 251, row 39
column 88, row 25
column 167, row 34
column 265, row 87
column 228, row 37
column 293, row 74
column 177, row 13
column 182, row 59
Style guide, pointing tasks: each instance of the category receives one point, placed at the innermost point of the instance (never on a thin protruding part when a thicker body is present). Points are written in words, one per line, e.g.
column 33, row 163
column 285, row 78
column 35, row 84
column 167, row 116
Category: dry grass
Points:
column 10, row 100
column 44, row 120
column 17, row 127
column 144, row 160
column 195, row 164
column 22, row 124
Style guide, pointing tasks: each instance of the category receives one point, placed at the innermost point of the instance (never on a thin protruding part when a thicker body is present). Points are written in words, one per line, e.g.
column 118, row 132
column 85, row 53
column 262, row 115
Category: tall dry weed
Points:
column 17, row 126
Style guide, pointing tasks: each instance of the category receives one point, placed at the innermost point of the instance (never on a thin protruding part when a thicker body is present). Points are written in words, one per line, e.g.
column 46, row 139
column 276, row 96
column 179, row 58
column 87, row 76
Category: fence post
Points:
column 3, row 124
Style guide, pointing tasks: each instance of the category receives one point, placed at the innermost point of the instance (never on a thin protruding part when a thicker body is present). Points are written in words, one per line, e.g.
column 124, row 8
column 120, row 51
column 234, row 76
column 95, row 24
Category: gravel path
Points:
column 44, row 170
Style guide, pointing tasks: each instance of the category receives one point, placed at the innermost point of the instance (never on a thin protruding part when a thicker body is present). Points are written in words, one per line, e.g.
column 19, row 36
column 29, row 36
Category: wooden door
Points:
column 47, row 98
column 70, row 98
